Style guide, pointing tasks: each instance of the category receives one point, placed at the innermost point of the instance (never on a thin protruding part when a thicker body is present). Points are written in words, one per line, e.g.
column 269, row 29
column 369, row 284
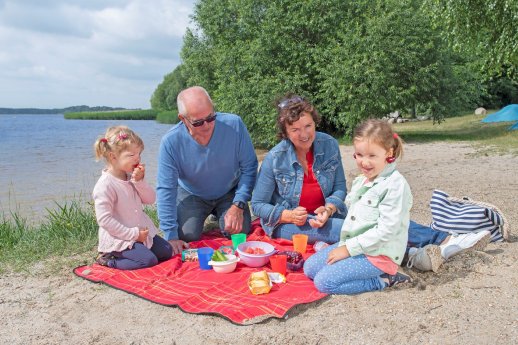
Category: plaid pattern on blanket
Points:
column 183, row 284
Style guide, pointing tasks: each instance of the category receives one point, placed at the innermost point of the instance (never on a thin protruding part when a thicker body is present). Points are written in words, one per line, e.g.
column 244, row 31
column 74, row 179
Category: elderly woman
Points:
column 301, row 184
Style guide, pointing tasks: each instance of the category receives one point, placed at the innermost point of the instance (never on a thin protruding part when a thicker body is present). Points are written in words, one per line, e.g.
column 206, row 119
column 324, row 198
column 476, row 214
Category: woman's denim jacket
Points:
column 279, row 182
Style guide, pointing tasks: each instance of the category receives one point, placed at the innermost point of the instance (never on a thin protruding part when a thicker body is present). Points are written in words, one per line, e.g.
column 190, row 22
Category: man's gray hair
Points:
column 180, row 103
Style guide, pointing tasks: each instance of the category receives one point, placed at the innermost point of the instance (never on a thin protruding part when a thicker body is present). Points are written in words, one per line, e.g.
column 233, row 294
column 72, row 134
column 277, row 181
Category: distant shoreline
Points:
column 36, row 111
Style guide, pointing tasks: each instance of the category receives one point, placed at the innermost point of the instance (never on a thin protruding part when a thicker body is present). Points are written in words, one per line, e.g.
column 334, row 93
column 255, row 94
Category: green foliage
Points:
column 68, row 230
column 501, row 92
column 352, row 59
column 164, row 97
column 148, row 114
column 11, row 231
column 487, row 27
column 169, row 116
column 75, row 108
column 198, row 60
column 390, row 59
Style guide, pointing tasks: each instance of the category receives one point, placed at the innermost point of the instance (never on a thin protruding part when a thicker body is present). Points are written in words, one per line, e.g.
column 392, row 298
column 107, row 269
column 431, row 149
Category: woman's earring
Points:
column 391, row 159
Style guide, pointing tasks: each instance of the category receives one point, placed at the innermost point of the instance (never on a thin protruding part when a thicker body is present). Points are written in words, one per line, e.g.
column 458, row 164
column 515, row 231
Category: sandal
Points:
column 398, row 278
column 104, row 259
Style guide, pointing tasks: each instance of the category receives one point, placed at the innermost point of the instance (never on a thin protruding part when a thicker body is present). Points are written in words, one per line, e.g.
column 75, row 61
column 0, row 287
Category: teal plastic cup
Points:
column 237, row 239
column 204, row 256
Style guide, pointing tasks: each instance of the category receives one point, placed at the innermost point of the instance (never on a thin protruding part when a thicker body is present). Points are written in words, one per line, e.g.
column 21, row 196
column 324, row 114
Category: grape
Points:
column 293, row 257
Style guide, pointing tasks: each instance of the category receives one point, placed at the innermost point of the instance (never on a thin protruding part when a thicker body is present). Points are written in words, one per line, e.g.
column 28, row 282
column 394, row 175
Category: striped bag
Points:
column 455, row 215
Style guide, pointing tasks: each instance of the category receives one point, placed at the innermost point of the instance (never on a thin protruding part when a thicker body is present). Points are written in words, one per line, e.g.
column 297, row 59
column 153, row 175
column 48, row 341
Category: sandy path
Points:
column 472, row 299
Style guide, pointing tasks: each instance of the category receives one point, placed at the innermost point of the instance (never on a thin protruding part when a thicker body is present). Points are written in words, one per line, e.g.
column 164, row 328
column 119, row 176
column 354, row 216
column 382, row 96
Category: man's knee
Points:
column 189, row 236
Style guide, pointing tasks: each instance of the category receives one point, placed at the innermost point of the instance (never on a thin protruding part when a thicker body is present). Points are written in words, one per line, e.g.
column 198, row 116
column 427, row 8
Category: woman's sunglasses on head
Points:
column 290, row 101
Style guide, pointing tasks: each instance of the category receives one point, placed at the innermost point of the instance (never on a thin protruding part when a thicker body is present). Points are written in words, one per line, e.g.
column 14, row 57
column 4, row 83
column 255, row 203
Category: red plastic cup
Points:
column 278, row 263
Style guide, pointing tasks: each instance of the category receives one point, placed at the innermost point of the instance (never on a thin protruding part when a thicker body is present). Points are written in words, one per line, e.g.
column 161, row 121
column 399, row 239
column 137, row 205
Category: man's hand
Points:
column 178, row 246
column 337, row 254
column 234, row 220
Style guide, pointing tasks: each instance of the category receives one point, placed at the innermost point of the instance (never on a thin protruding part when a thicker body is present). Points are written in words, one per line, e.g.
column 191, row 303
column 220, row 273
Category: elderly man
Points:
column 206, row 165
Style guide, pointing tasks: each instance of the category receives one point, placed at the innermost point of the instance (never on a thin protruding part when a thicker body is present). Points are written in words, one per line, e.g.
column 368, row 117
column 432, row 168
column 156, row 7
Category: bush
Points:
column 168, row 116
column 139, row 114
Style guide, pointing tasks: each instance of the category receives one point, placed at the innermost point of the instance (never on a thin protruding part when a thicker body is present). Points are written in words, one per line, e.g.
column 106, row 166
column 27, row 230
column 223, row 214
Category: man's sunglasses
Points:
column 199, row 123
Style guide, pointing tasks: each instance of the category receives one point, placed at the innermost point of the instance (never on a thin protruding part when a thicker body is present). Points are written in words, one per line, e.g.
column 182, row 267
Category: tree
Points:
column 486, row 27
column 353, row 59
column 164, row 97
column 390, row 59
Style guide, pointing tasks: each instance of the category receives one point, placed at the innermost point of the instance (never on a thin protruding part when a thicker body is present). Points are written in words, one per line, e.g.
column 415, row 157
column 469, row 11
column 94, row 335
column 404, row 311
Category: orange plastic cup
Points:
column 278, row 263
column 300, row 242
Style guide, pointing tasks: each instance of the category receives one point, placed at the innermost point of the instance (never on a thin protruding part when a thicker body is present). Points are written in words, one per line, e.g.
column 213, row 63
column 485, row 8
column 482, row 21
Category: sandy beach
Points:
column 472, row 299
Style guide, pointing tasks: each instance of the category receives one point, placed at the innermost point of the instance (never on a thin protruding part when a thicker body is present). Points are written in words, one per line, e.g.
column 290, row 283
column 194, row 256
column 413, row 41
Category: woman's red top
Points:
column 311, row 197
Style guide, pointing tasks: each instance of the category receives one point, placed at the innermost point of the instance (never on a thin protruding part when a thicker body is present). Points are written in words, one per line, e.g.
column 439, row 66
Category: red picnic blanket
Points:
column 184, row 284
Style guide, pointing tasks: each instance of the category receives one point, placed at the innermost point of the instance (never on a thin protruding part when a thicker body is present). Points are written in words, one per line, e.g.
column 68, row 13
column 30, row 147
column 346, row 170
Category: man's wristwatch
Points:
column 239, row 204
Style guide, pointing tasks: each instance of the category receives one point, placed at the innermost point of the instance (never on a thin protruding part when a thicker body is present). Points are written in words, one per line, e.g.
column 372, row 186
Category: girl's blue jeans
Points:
column 349, row 276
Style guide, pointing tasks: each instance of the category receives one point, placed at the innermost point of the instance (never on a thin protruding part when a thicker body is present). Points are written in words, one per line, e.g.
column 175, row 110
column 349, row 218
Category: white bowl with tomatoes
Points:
column 255, row 253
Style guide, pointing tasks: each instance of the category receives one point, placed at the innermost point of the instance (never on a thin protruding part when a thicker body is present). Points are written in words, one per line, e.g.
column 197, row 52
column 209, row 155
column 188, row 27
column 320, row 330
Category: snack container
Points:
column 190, row 255
column 225, row 266
column 255, row 260
column 259, row 283
column 295, row 260
column 226, row 250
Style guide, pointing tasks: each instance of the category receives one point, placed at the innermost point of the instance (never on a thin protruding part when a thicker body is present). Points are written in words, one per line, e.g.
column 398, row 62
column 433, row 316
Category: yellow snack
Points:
column 259, row 283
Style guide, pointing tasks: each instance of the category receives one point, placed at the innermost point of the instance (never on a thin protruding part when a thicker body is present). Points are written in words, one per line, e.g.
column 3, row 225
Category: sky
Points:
column 61, row 53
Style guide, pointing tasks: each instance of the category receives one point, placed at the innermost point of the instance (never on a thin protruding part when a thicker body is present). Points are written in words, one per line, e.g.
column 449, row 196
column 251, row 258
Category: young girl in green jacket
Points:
column 374, row 234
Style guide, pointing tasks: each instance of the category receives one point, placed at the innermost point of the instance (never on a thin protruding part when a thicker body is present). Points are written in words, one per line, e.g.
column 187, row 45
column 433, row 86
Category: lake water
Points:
column 46, row 159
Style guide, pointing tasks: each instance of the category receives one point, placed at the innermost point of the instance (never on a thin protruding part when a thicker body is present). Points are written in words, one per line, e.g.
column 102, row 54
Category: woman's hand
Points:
column 337, row 254
column 322, row 215
column 297, row 216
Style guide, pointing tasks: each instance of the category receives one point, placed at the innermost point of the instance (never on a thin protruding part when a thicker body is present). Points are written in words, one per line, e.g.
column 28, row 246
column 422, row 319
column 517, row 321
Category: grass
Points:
column 167, row 117
column 138, row 114
column 67, row 236
column 486, row 137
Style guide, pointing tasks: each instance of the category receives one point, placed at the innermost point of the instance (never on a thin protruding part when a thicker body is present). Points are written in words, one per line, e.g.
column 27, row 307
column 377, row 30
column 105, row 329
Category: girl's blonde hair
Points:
column 381, row 133
column 116, row 139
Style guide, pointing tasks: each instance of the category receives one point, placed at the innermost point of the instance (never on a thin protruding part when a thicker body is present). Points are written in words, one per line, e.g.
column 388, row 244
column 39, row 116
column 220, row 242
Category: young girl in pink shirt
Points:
column 127, row 236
